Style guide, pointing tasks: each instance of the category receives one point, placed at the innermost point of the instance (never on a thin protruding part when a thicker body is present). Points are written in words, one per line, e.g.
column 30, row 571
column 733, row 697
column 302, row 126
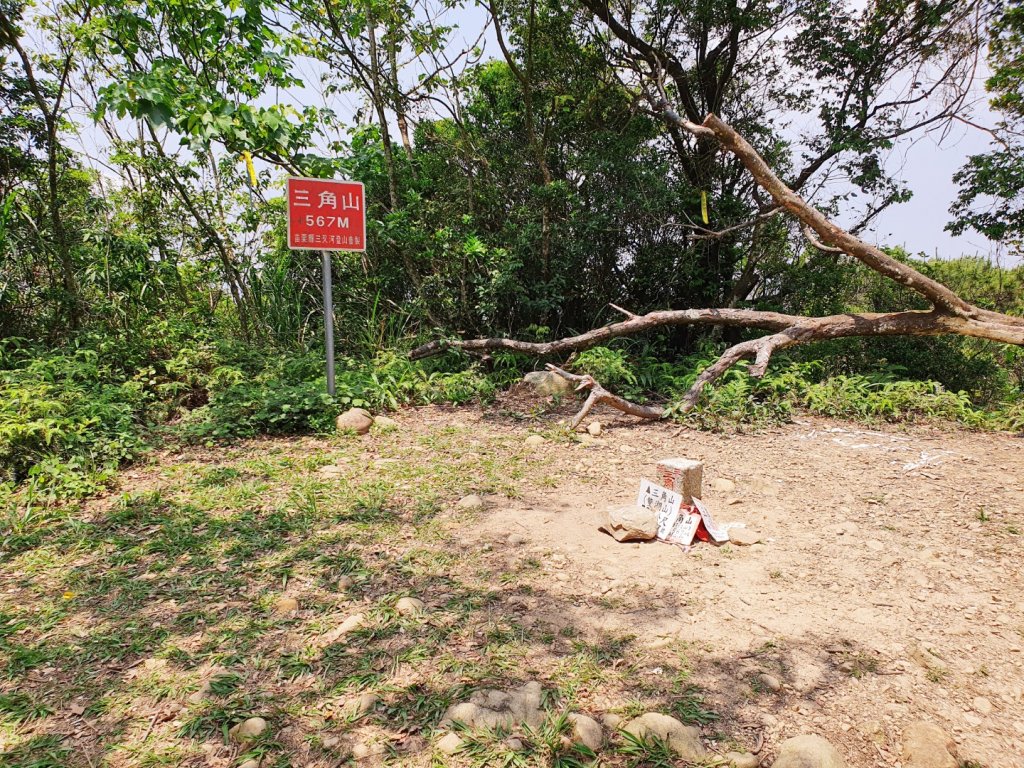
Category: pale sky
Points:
column 925, row 163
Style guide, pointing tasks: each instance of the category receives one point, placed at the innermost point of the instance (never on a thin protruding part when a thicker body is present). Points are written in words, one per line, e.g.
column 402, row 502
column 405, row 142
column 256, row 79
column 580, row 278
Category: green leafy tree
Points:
column 991, row 199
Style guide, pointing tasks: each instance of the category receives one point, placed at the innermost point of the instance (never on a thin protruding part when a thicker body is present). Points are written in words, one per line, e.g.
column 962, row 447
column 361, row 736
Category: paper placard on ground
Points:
column 662, row 502
column 684, row 529
column 716, row 532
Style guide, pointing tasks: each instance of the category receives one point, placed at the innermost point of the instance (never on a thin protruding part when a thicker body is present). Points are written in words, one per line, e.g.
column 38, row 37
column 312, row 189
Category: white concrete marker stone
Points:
column 684, row 476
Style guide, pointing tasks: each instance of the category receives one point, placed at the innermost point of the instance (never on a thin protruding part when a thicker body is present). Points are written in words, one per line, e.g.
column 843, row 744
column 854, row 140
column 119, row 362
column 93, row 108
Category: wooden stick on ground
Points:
column 599, row 394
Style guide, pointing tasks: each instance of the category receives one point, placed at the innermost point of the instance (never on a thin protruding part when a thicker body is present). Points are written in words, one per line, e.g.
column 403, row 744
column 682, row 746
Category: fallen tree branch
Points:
column 599, row 394
column 1003, row 328
column 740, row 318
column 950, row 314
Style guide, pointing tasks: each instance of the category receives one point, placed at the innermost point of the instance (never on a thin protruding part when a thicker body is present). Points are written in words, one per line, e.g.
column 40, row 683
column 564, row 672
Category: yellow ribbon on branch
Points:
column 704, row 206
column 253, row 179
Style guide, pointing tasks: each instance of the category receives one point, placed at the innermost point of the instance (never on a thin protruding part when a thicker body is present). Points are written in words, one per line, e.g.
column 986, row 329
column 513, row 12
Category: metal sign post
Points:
column 328, row 321
column 326, row 215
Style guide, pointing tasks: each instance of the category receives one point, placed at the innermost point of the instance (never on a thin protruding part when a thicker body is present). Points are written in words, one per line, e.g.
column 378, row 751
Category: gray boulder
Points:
column 547, row 383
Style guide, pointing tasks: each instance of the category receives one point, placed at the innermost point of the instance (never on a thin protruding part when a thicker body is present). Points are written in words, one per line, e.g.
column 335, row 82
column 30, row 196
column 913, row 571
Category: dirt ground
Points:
column 889, row 585
column 887, row 588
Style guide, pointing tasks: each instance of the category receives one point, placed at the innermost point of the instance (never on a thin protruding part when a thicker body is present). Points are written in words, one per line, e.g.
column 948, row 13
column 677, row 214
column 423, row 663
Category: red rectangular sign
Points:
column 326, row 215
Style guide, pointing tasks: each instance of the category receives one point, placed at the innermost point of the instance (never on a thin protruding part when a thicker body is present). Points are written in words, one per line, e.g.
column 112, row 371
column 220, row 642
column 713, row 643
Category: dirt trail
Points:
column 888, row 586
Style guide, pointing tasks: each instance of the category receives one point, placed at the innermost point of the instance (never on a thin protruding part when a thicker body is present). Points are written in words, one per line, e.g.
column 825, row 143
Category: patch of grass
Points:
column 548, row 745
column 646, row 752
column 45, row 751
column 21, row 708
column 690, row 708
column 860, row 664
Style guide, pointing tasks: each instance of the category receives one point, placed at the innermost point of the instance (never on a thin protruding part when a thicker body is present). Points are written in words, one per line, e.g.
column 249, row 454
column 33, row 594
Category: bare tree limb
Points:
column 870, row 255
column 599, row 394
column 818, row 244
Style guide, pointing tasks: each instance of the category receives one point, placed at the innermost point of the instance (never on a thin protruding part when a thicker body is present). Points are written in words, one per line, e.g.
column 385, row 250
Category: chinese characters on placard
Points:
column 329, row 200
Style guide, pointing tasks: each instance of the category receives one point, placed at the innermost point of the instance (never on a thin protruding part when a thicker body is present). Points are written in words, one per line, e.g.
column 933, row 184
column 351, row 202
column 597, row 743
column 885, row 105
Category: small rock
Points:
column 516, row 745
column 345, row 582
column 873, row 731
column 410, row 606
column 925, row 745
column 517, row 539
column 385, row 423
column 723, row 485
column 354, row 420
column 684, row 740
column 330, row 470
column 286, row 606
column 362, row 750
column 612, row 721
column 631, row 523
column 547, row 383
column 247, row 729
column 413, row 744
column 250, row 764
column 364, row 705
column 500, row 709
column 199, row 695
column 982, row 705
column 331, row 741
column 586, row 731
column 534, row 441
column 449, row 744
column 594, row 428
column 472, row 503
column 808, row 752
column 771, row 682
column 355, row 621
column 742, row 759
column 743, row 537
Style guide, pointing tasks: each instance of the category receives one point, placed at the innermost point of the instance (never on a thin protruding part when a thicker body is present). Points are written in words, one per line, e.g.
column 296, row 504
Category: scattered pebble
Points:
column 385, row 423
column 247, row 729
column 925, row 745
column 517, row 539
column 594, row 428
column 410, row 606
column 449, row 744
column 742, row 759
column 534, row 441
column 586, row 731
column 355, row 420
column 353, row 622
column 471, row 502
column 808, row 750
column 743, row 537
column 345, row 582
column 286, row 606
column 771, row 682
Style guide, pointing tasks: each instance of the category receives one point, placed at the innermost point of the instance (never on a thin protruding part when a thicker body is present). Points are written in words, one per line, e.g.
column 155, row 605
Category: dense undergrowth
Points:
column 70, row 417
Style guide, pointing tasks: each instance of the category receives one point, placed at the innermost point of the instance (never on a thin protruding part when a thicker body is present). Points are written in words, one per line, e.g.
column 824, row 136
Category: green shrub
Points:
column 64, row 426
column 609, row 366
